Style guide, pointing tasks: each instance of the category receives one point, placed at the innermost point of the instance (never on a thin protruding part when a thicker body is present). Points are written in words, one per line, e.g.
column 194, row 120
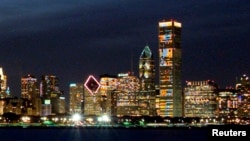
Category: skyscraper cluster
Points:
column 126, row 94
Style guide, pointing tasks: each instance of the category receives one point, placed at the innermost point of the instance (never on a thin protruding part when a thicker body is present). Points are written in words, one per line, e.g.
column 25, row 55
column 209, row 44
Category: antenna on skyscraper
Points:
column 132, row 71
column 236, row 80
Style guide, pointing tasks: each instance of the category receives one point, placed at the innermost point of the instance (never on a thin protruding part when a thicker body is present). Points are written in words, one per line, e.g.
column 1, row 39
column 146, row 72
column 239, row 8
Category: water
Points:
column 103, row 134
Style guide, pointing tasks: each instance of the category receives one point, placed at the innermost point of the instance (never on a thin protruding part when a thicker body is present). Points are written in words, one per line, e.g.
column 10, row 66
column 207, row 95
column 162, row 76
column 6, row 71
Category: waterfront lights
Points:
column 26, row 119
column 76, row 117
column 104, row 118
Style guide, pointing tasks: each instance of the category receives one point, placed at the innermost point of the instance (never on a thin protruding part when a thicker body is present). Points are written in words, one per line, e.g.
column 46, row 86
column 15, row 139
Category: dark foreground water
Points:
column 103, row 134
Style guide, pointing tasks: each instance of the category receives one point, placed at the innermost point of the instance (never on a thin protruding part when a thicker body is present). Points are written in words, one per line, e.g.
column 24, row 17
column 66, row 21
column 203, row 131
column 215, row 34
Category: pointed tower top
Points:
column 146, row 53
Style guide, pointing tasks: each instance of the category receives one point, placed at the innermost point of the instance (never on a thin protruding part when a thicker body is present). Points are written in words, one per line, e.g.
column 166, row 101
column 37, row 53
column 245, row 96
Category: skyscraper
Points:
column 92, row 97
column 48, row 84
column 169, row 100
column 108, row 85
column 53, row 100
column 29, row 87
column 201, row 99
column 76, row 98
column 30, row 92
column 3, row 84
column 243, row 87
column 126, row 94
column 147, row 82
column 147, row 69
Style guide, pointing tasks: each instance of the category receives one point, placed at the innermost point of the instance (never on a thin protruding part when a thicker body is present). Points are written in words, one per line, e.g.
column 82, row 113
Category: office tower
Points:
column 76, row 98
column 147, row 69
column 29, row 87
column 92, row 97
column 48, row 84
column 46, row 107
column 127, row 95
column 3, row 85
column 36, row 106
column 61, row 105
column 243, row 88
column 30, row 92
column 57, row 103
column 200, row 99
column 147, row 93
column 108, row 85
column 51, row 95
column 169, row 101
column 227, row 103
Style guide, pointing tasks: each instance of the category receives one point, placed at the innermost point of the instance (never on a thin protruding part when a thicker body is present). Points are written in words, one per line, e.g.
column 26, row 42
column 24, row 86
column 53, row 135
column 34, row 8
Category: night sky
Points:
column 72, row 39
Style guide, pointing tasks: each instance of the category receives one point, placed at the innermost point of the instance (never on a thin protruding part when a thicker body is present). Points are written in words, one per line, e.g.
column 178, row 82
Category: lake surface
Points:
column 103, row 134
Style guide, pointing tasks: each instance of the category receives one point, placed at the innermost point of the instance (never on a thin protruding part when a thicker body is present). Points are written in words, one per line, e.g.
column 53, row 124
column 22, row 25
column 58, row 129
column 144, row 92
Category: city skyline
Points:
column 72, row 40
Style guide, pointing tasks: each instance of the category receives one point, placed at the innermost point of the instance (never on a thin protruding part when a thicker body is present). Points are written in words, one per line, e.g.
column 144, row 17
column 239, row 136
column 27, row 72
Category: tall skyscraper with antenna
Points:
column 169, row 100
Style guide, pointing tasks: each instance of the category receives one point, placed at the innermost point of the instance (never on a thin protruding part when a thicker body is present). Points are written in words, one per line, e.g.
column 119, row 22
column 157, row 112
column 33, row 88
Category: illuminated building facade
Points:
column 108, row 84
column 30, row 92
column 4, row 91
column 92, row 97
column 15, row 105
column 36, row 106
column 29, row 87
column 126, row 95
column 2, row 102
column 227, row 103
column 146, row 97
column 76, row 98
column 46, row 107
column 57, row 103
column 200, row 99
column 51, row 95
column 48, row 84
column 61, row 105
column 243, row 88
column 169, row 101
